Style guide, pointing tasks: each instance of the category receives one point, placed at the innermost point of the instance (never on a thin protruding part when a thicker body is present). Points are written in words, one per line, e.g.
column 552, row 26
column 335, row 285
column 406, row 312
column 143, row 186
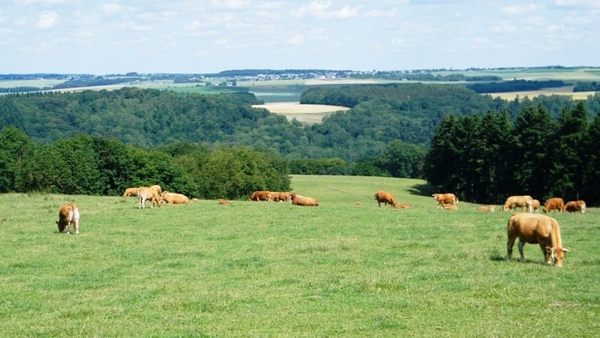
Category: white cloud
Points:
column 47, row 19
column 297, row 39
column 519, row 9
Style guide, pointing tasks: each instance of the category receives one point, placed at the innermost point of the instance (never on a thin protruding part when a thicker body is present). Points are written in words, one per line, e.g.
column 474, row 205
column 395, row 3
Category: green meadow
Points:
column 277, row 270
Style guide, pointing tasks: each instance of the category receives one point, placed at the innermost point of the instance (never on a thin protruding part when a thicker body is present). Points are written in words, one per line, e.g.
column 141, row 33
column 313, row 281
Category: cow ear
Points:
column 565, row 250
column 549, row 249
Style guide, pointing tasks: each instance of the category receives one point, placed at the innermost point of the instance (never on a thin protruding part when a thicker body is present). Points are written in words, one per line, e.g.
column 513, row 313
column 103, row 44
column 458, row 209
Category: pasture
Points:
column 274, row 269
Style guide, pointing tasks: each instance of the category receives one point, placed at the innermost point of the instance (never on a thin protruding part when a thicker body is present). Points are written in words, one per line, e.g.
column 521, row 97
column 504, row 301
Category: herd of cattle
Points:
column 528, row 227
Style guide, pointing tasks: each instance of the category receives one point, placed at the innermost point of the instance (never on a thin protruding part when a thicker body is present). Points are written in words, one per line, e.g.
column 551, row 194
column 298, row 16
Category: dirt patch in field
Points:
column 305, row 113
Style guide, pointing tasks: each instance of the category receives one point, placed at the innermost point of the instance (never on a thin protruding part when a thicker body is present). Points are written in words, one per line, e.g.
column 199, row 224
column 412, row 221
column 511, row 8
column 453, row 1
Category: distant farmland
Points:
column 305, row 113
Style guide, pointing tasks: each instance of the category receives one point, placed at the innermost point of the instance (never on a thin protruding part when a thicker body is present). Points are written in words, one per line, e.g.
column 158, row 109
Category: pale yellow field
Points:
column 532, row 94
column 306, row 113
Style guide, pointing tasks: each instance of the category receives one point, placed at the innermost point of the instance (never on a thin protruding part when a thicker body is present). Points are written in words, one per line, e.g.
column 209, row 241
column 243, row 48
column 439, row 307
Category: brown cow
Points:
column 535, row 228
column 224, row 202
column 442, row 199
column 402, row 206
column 574, row 206
column 174, row 198
column 131, row 192
column 385, row 198
column 487, row 208
column 279, row 196
column 148, row 193
column 303, row 201
column 524, row 201
column 554, row 203
column 68, row 215
column 260, row 195
column 449, row 207
column 535, row 205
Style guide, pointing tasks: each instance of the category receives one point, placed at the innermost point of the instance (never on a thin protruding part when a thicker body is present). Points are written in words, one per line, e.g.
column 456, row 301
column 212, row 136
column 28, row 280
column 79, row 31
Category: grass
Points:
column 273, row 269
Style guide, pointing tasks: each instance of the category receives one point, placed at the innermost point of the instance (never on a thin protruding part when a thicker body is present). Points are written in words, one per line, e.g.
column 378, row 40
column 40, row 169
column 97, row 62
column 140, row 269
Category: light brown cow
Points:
column 148, row 193
column 224, row 202
column 260, row 195
column 131, row 192
column 524, row 201
column 68, row 215
column 402, row 206
column 385, row 198
column 535, row 205
column 535, row 228
column 487, row 208
column 442, row 199
column 554, row 203
column 449, row 207
column 277, row 196
column 156, row 188
column 303, row 201
column 174, row 198
column 575, row 206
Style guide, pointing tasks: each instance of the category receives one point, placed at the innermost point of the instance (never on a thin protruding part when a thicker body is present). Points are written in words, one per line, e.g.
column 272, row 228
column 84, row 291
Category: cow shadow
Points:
column 421, row 190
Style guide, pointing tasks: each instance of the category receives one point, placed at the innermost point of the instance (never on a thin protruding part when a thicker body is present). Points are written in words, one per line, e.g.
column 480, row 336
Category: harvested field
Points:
column 305, row 113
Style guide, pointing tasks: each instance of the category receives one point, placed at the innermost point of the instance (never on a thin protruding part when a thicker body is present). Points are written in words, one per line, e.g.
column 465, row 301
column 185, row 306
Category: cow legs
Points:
column 547, row 254
column 509, row 248
column 521, row 245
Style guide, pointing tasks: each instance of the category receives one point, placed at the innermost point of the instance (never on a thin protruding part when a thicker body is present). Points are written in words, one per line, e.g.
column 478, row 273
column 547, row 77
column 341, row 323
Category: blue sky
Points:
column 184, row 36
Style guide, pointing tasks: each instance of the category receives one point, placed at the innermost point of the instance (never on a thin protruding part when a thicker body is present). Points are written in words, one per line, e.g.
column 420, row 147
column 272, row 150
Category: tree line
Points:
column 485, row 158
column 90, row 165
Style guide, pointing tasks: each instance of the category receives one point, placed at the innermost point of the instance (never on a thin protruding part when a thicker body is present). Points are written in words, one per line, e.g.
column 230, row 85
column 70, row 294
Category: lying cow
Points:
column 513, row 202
column 402, row 206
column 442, row 199
column 535, row 228
column 574, row 206
column 68, row 215
column 303, row 201
column 487, row 208
column 277, row 196
column 385, row 198
column 174, row 198
column 148, row 193
column 223, row 202
column 130, row 192
column 449, row 207
column 260, row 195
column 554, row 203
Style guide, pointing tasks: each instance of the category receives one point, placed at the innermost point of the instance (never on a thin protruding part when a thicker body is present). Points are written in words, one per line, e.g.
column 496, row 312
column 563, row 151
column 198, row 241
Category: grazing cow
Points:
column 402, row 206
column 555, row 203
column 487, row 208
column 68, row 215
column 449, row 207
column 224, row 202
column 148, row 193
column 279, row 196
column 130, row 192
column 303, row 201
column 535, row 205
column 385, row 198
column 524, row 201
column 174, row 198
column 574, row 206
column 535, row 228
column 442, row 199
column 156, row 188
column 260, row 195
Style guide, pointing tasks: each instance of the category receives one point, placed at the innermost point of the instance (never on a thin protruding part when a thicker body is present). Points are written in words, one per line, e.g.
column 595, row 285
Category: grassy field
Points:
column 277, row 270
column 306, row 113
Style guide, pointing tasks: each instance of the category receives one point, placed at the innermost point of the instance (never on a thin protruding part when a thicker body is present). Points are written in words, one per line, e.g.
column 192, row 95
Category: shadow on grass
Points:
column 421, row 190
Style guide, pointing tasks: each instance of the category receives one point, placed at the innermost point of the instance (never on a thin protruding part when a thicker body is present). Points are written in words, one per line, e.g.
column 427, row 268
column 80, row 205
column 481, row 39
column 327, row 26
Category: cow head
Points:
column 556, row 255
column 61, row 226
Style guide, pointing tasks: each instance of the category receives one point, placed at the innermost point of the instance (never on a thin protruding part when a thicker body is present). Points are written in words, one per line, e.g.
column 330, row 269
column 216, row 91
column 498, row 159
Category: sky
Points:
column 208, row 36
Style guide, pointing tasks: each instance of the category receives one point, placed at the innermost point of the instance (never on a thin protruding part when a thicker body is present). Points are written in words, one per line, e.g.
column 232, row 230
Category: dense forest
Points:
column 485, row 158
column 390, row 130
